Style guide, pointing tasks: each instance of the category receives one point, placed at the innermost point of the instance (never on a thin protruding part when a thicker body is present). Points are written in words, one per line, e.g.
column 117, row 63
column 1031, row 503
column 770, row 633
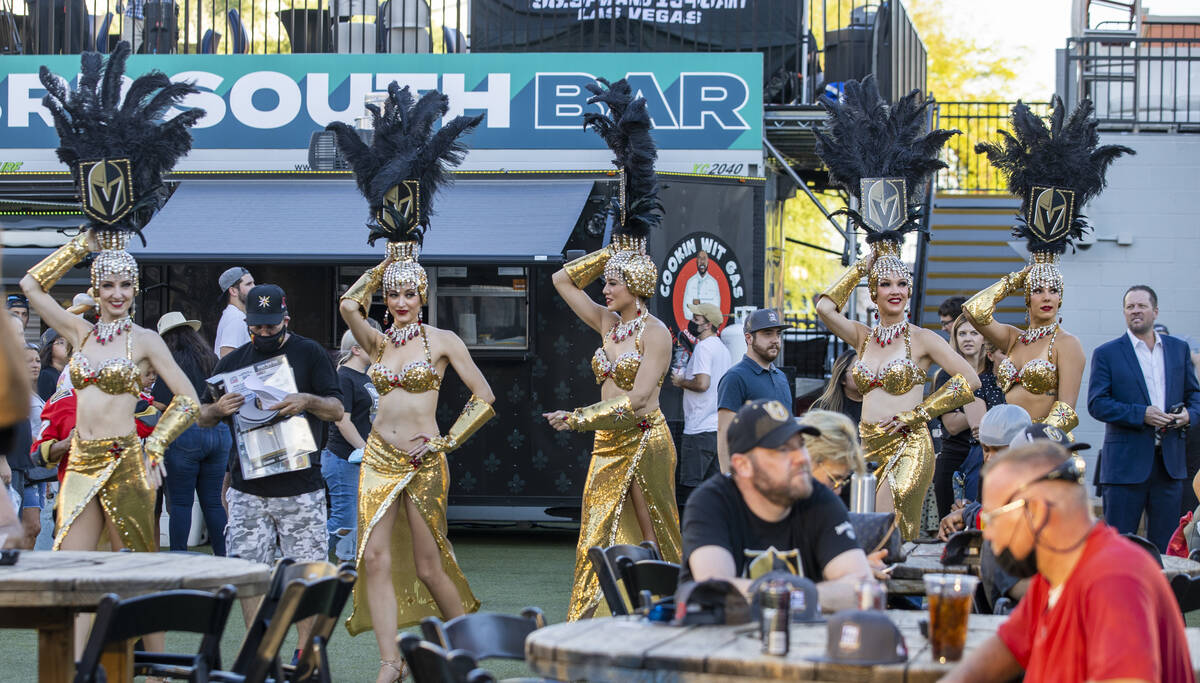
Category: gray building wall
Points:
column 1153, row 199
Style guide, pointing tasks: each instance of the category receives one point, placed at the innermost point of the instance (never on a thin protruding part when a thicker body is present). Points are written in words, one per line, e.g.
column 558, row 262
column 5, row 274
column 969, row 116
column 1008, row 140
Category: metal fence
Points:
column 1137, row 83
column 810, row 347
column 979, row 122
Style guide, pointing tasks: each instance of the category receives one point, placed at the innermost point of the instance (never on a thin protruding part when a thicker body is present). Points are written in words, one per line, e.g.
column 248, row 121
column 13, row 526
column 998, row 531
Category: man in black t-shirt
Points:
column 769, row 510
column 284, row 511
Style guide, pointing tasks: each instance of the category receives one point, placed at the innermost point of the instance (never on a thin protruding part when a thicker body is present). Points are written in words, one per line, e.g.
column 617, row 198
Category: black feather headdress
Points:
column 1054, row 169
column 626, row 129
column 118, row 151
column 885, row 149
column 406, row 163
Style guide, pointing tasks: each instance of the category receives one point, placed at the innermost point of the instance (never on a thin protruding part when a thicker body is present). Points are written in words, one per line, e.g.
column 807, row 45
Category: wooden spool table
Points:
column 45, row 590
column 624, row 649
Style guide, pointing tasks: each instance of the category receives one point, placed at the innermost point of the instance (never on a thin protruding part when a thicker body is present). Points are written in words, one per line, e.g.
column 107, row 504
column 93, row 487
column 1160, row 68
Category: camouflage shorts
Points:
column 267, row 529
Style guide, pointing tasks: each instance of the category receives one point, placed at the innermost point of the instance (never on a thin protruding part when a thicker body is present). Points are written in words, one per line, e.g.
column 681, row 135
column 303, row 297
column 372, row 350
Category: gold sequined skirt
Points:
column 387, row 472
column 906, row 464
column 619, row 459
column 113, row 472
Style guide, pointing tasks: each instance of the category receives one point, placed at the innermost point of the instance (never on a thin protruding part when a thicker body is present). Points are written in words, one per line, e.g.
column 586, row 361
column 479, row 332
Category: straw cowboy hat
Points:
column 173, row 319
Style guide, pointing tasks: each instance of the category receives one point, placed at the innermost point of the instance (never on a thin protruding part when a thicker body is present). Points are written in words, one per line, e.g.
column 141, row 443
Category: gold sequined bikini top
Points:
column 897, row 377
column 1038, row 376
column 415, row 377
column 115, row 376
column 622, row 371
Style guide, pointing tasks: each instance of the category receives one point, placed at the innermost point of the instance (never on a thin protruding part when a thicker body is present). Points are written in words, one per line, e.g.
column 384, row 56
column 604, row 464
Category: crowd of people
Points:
column 123, row 412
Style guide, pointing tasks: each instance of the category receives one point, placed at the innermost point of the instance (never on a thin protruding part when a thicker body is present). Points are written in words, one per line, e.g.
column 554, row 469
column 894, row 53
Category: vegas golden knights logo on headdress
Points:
column 106, row 189
column 401, row 209
column 884, row 203
column 1051, row 211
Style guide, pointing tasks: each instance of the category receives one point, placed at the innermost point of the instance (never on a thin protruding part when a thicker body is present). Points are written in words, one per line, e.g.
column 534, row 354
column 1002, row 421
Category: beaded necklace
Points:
column 1033, row 334
column 106, row 332
column 626, row 329
column 886, row 334
column 401, row 336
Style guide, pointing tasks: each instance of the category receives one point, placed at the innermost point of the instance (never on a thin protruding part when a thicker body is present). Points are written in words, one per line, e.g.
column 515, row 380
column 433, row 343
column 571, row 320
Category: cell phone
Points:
column 1176, row 408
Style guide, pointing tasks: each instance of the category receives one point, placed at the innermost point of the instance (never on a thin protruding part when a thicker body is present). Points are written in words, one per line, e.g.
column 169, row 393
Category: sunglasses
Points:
column 1071, row 470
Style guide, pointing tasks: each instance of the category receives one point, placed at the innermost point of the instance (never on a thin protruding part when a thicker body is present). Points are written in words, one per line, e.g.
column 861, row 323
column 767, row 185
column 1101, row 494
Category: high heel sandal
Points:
column 401, row 670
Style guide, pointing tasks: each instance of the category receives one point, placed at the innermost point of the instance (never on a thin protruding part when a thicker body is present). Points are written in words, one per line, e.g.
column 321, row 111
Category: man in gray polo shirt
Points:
column 754, row 377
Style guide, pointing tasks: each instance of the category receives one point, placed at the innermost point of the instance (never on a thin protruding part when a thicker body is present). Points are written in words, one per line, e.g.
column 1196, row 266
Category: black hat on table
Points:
column 265, row 305
column 863, row 638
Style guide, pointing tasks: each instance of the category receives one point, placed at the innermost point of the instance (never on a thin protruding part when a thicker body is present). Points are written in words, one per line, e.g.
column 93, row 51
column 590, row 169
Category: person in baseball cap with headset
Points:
column 770, row 514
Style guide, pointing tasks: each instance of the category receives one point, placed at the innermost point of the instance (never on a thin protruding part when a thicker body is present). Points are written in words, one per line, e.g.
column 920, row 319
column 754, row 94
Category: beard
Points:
column 765, row 350
column 702, row 268
column 797, row 487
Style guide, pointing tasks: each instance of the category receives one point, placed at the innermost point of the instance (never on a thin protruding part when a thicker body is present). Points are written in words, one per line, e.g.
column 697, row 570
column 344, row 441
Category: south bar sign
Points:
column 262, row 109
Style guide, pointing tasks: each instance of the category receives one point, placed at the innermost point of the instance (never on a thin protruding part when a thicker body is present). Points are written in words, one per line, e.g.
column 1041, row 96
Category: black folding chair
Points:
column 313, row 664
column 655, row 577
column 484, row 635
column 308, row 589
column 429, row 663
column 604, row 562
column 189, row 611
column 1147, row 546
column 1187, row 592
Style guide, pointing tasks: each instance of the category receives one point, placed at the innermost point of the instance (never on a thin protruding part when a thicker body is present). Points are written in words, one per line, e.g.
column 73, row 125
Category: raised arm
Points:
column 939, row 352
column 980, row 308
column 833, row 299
column 570, row 280
column 475, row 413
column 41, row 278
column 355, row 304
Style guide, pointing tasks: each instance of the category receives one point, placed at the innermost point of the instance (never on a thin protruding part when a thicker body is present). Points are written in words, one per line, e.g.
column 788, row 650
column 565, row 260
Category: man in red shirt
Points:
column 1098, row 609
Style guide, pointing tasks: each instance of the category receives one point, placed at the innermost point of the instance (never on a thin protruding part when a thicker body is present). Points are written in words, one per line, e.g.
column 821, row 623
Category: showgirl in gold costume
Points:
column 883, row 157
column 117, row 155
column 1055, row 171
column 629, row 495
column 406, row 564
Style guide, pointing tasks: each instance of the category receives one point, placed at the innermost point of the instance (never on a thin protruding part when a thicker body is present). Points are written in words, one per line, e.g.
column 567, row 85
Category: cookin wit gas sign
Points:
column 710, row 103
column 701, row 269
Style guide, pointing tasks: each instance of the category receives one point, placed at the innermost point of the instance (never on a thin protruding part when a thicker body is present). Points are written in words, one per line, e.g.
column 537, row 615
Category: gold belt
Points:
column 90, row 455
column 390, row 460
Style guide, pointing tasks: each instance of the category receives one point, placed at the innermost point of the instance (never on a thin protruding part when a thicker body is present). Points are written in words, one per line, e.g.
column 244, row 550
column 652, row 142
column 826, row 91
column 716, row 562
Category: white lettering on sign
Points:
column 212, row 103
column 287, row 106
column 317, row 95
column 560, row 98
column 493, row 98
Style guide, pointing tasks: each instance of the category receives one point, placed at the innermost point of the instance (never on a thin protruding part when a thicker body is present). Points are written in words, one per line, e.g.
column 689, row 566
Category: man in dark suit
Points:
column 1144, row 388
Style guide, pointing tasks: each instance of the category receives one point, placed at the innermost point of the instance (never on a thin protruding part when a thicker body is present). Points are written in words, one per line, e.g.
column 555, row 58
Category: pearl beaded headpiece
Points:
column 404, row 271
column 632, row 265
column 114, row 260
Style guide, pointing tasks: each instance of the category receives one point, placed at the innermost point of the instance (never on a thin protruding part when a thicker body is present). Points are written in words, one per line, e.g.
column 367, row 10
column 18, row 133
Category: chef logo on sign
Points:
column 700, row 269
column 106, row 186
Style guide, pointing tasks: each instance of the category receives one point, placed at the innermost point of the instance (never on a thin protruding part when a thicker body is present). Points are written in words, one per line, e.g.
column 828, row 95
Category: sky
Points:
column 1035, row 29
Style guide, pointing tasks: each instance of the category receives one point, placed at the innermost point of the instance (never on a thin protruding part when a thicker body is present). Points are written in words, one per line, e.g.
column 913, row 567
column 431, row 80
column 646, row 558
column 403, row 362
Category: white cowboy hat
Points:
column 173, row 319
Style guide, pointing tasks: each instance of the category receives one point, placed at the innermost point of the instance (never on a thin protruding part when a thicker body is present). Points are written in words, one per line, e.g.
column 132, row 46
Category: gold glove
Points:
column 472, row 417
column 839, row 291
column 54, row 266
column 979, row 308
column 955, row 393
column 615, row 413
column 175, row 420
column 364, row 288
column 1063, row 416
column 585, row 269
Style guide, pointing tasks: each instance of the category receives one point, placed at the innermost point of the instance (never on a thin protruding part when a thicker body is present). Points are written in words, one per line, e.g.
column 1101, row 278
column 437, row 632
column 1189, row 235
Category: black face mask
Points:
column 268, row 343
column 1023, row 568
column 694, row 328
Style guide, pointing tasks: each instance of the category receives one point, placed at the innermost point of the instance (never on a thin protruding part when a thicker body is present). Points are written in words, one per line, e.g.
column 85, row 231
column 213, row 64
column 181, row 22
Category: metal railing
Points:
column 1137, row 83
column 234, row 26
column 979, row 122
column 810, row 347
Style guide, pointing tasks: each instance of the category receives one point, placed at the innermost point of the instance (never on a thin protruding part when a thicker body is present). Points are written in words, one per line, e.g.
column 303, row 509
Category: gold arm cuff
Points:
column 364, row 288
column 585, row 269
column 615, row 413
column 955, row 393
column 54, row 266
column 473, row 416
column 175, row 420
column 1061, row 415
column 839, row 291
column 982, row 306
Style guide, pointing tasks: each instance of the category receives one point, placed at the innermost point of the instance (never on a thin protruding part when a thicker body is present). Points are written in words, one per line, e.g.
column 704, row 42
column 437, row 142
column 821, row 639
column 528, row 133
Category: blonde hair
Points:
column 838, row 442
column 348, row 342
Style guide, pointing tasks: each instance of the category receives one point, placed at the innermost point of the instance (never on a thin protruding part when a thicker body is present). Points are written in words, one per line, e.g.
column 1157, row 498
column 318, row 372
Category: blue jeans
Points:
column 196, row 466
column 341, row 478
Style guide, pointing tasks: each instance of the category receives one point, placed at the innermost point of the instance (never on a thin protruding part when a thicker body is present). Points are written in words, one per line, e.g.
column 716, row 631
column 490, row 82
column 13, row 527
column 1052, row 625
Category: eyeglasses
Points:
column 1070, row 470
column 836, row 483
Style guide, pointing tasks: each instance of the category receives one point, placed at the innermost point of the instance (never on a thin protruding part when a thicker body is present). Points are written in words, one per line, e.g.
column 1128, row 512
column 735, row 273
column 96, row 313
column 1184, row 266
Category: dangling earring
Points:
column 876, row 314
column 385, row 317
column 420, row 315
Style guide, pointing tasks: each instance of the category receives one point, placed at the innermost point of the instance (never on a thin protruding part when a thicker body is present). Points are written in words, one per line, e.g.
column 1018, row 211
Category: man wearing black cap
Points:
column 754, row 377
column 769, row 510
column 236, row 283
column 282, row 510
column 18, row 306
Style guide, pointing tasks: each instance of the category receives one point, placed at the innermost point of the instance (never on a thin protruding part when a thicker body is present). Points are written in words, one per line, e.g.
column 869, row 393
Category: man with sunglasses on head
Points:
column 1098, row 607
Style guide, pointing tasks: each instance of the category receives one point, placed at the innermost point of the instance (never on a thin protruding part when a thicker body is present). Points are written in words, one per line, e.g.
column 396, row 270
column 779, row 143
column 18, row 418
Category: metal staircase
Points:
column 970, row 249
